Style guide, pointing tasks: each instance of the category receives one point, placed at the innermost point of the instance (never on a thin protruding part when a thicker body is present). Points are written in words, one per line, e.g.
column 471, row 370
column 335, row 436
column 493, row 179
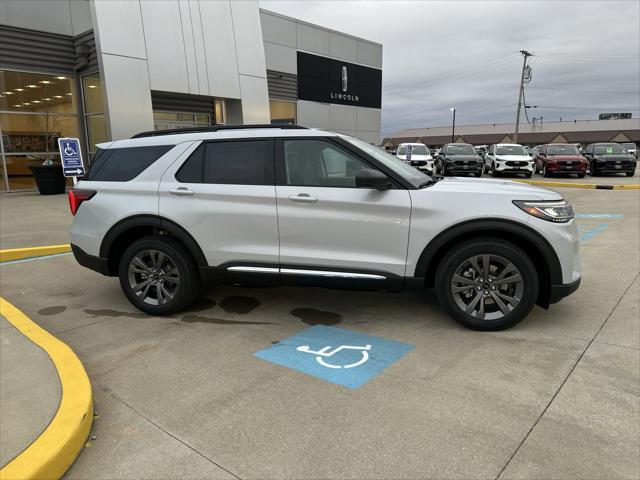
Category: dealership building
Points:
column 578, row 131
column 104, row 70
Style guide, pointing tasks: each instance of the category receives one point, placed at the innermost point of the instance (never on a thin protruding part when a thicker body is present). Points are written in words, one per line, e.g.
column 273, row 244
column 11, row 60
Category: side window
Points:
column 402, row 150
column 242, row 162
column 317, row 163
column 192, row 169
column 124, row 164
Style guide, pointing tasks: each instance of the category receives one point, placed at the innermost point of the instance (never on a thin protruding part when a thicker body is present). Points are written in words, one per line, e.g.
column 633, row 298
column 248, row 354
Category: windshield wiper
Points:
column 428, row 183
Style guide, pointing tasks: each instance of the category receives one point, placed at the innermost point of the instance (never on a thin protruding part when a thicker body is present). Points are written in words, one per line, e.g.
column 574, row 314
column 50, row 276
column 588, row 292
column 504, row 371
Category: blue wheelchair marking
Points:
column 599, row 215
column 587, row 230
column 336, row 355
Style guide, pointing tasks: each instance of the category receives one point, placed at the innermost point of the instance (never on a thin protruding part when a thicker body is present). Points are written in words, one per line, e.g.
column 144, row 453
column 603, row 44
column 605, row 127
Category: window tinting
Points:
column 123, row 164
column 191, row 170
column 237, row 162
column 315, row 163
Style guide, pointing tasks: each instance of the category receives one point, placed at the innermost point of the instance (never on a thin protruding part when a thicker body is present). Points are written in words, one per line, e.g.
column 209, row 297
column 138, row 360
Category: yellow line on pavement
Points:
column 544, row 183
column 20, row 253
column 52, row 453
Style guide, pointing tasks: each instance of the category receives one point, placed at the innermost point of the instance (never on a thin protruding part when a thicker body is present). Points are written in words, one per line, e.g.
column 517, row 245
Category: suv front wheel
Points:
column 158, row 275
column 487, row 284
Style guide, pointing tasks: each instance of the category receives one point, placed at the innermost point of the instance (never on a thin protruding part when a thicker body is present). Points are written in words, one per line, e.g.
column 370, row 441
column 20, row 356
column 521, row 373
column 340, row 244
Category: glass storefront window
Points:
column 282, row 112
column 36, row 92
column 94, row 118
column 166, row 120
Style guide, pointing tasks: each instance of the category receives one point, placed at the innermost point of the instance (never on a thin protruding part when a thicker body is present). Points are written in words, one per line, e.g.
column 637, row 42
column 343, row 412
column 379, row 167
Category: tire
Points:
column 545, row 173
column 630, row 174
column 528, row 175
column 500, row 252
column 164, row 295
column 478, row 174
column 494, row 173
column 581, row 175
column 594, row 171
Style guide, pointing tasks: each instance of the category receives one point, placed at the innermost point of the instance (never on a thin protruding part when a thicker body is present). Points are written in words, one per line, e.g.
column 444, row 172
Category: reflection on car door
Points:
column 224, row 196
column 326, row 222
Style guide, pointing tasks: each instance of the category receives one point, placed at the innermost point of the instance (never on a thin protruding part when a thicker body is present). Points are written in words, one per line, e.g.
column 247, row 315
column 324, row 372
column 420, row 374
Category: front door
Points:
column 326, row 222
column 223, row 194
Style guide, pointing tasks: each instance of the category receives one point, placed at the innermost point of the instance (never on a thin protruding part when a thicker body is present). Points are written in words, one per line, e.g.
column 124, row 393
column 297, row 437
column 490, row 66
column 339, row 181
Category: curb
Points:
column 30, row 252
column 594, row 186
column 51, row 454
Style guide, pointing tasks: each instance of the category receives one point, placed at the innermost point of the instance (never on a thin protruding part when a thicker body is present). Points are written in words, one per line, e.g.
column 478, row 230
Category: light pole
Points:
column 453, row 127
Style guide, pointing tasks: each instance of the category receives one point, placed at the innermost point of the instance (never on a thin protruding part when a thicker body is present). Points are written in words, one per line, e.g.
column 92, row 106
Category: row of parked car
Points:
column 503, row 158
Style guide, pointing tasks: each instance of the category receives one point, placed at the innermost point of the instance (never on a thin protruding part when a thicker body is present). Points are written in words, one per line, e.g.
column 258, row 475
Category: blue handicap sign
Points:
column 71, row 157
column 336, row 355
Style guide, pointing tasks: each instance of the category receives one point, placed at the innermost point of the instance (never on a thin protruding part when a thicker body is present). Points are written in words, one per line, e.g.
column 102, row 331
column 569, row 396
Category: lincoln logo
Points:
column 344, row 95
column 344, row 78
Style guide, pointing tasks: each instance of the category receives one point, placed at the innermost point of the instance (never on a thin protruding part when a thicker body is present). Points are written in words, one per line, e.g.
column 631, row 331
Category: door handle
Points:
column 303, row 198
column 182, row 192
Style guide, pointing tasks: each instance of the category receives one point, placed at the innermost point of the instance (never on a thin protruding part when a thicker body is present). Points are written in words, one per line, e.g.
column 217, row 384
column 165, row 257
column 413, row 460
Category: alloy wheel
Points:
column 487, row 287
column 153, row 277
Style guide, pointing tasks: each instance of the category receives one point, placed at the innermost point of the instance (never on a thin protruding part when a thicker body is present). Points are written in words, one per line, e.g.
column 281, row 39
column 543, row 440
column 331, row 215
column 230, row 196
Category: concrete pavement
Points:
column 183, row 396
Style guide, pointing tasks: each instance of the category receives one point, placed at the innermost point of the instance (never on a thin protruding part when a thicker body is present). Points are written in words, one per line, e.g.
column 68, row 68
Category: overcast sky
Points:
column 464, row 54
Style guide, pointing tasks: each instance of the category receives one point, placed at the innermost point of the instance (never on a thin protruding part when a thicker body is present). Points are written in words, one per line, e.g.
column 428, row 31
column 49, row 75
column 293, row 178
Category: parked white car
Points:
column 511, row 158
column 420, row 156
column 169, row 211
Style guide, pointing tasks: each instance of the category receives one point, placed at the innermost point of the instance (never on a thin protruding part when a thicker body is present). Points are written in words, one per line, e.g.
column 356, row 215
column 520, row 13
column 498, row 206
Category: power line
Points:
column 636, row 92
column 588, row 108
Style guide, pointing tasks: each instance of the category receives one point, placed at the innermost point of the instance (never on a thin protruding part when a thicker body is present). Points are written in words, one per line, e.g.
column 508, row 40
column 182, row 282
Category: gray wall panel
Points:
column 278, row 30
column 313, row 114
column 52, row 16
column 80, row 16
column 128, row 95
column 280, row 58
column 198, row 45
column 248, row 38
column 255, row 103
column 118, row 26
column 343, row 47
column 220, row 51
column 165, row 46
column 343, row 117
column 367, row 119
column 189, row 47
column 312, row 39
column 369, row 54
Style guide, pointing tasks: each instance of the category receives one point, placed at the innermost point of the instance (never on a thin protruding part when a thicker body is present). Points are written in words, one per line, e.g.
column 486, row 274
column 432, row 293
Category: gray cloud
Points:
column 463, row 54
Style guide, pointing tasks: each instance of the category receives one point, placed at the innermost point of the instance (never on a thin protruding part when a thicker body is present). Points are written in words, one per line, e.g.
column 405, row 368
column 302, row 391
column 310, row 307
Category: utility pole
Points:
column 525, row 55
column 453, row 127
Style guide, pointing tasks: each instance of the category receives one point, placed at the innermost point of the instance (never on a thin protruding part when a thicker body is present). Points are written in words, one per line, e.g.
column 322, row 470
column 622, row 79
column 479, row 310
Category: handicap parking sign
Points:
column 71, row 156
column 336, row 355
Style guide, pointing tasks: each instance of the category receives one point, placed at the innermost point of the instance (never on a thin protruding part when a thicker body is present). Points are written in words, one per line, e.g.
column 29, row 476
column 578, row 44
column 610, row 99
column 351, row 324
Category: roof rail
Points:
column 216, row 128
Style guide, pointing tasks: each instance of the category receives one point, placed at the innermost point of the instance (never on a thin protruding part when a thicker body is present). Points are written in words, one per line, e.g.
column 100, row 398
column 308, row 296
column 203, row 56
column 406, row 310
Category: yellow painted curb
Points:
column 20, row 253
column 52, row 453
column 544, row 183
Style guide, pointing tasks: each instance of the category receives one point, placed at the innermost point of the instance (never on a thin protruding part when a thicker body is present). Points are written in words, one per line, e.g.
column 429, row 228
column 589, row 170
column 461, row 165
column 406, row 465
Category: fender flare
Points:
column 156, row 222
column 487, row 227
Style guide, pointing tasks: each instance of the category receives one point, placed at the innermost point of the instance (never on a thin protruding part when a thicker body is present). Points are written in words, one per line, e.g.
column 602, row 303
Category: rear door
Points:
column 326, row 222
column 223, row 194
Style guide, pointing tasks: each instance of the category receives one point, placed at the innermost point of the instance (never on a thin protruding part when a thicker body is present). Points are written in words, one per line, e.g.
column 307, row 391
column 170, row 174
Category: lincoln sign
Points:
column 326, row 80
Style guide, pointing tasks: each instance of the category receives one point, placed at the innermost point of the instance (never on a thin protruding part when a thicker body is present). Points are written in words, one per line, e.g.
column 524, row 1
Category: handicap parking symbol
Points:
column 336, row 355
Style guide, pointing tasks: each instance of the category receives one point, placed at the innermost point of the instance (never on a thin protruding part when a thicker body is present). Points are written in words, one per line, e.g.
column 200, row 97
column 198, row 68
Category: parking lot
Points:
column 554, row 397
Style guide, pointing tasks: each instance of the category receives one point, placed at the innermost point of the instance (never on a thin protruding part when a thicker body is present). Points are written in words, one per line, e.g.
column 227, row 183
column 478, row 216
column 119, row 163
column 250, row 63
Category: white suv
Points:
column 417, row 155
column 508, row 158
column 169, row 211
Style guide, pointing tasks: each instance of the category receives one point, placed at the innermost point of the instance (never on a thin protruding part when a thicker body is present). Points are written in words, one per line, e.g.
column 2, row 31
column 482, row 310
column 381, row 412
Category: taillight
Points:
column 76, row 197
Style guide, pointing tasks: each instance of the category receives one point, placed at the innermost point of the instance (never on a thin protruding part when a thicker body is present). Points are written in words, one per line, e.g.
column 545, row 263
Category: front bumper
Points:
column 615, row 166
column 514, row 166
column 558, row 292
column 566, row 168
column 426, row 166
column 453, row 168
column 97, row 264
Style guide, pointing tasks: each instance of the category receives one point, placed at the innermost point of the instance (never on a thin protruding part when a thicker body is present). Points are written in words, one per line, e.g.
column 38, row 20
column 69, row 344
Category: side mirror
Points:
column 369, row 178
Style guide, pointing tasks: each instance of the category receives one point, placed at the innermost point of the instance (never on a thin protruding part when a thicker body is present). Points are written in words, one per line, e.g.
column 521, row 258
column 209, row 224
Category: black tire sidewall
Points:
column 189, row 279
column 496, row 246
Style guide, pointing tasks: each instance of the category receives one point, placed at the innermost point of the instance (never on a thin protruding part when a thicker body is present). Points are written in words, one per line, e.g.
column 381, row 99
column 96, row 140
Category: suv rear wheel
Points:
column 158, row 275
column 487, row 284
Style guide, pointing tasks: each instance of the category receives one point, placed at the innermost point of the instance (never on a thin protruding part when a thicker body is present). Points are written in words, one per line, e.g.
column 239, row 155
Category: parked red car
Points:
column 556, row 158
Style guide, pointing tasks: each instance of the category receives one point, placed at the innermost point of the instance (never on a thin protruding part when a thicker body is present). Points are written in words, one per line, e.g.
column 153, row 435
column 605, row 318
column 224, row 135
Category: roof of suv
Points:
column 256, row 132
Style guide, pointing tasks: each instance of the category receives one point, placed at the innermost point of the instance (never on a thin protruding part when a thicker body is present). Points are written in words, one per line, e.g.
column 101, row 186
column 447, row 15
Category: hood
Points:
column 416, row 157
column 515, row 190
column 571, row 158
column 518, row 158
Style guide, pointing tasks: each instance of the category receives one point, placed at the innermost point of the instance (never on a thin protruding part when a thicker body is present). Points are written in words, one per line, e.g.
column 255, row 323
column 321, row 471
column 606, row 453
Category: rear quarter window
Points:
column 124, row 164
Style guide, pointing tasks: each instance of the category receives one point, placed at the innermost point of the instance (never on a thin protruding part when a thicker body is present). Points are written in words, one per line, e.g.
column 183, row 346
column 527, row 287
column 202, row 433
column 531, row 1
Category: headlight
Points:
column 553, row 211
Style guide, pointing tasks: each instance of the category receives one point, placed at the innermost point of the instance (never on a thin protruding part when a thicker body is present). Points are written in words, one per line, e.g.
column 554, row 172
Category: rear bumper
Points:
column 97, row 264
column 558, row 292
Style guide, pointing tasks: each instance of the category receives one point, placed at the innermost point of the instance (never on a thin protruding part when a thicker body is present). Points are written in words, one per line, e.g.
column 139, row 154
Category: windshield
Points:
column 609, row 149
column 461, row 150
column 510, row 150
column 415, row 150
column 406, row 171
column 562, row 150
column 630, row 146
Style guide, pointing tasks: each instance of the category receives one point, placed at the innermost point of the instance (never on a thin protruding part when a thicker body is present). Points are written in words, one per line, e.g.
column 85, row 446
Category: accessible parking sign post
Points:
column 71, row 157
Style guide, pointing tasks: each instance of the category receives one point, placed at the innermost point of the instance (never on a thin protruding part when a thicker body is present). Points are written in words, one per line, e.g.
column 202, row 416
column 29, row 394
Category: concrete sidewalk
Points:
column 29, row 392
